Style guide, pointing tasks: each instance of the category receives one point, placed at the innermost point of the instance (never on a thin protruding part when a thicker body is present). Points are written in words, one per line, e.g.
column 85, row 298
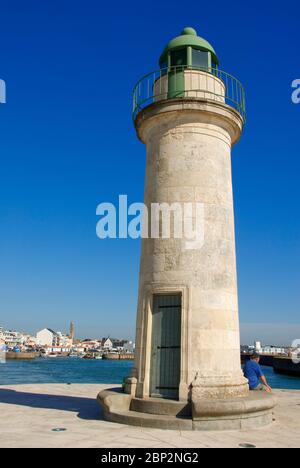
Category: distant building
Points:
column 57, row 350
column 257, row 346
column 72, row 332
column 244, row 349
column 88, row 344
column 78, row 348
column 64, row 340
column 129, row 347
column 29, row 340
column 13, row 338
column 2, row 340
column 118, row 344
column 106, row 344
column 2, row 346
column 47, row 337
column 268, row 349
column 272, row 350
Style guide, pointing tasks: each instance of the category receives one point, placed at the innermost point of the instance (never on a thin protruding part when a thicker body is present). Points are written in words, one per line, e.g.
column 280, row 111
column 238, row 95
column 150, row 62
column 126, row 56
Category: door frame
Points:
column 145, row 362
column 155, row 363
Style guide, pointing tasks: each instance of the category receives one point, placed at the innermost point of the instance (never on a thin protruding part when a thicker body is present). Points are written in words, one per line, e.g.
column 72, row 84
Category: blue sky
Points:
column 68, row 143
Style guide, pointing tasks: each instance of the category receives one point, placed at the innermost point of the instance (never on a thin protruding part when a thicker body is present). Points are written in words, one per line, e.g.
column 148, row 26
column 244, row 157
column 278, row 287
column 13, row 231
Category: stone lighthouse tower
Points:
column 187, row 368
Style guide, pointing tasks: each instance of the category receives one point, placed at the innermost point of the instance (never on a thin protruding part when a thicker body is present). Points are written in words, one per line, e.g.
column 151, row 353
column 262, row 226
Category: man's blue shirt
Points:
column 253, row 372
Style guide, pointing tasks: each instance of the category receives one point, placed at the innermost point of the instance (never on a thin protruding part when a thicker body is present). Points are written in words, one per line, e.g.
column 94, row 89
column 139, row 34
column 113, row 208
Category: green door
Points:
column 166, row 344
column 176, row 83
column 178, row 63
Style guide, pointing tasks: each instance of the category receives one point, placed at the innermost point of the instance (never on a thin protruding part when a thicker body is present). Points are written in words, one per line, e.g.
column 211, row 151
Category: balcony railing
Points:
column 184, row 82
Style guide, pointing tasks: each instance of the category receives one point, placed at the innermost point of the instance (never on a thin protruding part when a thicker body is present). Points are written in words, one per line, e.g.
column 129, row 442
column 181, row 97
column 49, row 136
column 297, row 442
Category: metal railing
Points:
column 185, row 82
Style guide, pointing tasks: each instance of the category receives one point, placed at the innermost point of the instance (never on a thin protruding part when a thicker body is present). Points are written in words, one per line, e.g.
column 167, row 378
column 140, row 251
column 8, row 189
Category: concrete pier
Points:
column 24, row 356
column 30, row 412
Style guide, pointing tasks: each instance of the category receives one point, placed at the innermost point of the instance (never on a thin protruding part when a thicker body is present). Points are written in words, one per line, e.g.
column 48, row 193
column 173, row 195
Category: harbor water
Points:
column 75, row 370
column 64, row 370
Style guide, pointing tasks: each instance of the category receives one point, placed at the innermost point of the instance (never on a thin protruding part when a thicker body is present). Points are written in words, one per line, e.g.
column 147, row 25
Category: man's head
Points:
column 255, row 357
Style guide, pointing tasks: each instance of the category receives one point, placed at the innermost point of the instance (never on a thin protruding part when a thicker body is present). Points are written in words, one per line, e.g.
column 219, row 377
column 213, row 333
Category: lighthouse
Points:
column 187, row 371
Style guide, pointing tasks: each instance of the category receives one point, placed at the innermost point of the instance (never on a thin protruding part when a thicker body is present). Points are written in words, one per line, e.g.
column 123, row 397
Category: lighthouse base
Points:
column 250, row 412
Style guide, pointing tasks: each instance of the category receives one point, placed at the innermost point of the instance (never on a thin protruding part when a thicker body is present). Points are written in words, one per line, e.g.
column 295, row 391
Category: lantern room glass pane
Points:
column 199, row 58
column 178, row 57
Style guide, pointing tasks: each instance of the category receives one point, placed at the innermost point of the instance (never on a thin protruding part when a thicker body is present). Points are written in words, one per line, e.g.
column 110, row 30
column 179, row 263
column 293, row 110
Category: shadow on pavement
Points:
column 87, row 408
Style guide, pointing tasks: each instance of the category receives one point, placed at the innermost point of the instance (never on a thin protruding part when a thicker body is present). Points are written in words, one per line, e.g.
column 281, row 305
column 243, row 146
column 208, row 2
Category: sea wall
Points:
column 12, row 355
column 119, row 357
column 286, row 366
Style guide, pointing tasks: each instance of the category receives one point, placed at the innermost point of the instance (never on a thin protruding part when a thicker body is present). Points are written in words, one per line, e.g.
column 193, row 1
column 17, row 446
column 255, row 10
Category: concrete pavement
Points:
column 29, row 413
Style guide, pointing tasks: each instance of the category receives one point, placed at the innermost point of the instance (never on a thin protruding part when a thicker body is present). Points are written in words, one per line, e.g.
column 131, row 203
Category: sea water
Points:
column 75, row 370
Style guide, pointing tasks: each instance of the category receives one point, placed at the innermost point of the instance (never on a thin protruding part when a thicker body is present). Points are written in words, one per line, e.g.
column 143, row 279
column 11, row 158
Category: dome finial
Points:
column 189, row 31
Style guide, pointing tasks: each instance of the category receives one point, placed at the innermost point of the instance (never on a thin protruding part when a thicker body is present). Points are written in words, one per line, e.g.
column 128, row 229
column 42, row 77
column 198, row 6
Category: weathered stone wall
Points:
column 189, row 160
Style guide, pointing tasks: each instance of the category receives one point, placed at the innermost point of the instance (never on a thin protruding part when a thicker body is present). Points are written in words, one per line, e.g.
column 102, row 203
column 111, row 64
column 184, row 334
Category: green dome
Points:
column 188, row 37
column 189, row 31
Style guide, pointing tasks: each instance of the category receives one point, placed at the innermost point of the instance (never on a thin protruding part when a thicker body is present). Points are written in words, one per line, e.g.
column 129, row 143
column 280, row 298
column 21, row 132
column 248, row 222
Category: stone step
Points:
column 134, row 418
column 160, row 406
column 250, row 412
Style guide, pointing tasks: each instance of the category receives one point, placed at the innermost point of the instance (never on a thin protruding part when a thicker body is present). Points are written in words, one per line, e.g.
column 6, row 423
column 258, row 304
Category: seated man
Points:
column 254, row 374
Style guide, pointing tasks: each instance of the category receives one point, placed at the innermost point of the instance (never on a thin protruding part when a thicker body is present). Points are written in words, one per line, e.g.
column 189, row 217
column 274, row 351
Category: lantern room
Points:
column 189, row 50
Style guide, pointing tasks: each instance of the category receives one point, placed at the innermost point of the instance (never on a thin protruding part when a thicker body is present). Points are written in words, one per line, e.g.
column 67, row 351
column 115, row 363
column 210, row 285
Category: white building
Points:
column 107, row 344
column 272, row 350
column 2, row 343
column 129, row 347
column 64, row 340
column 13, row 338
column 268, row 349
column 47, row 337
column 57, row 350
column 257, row 346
